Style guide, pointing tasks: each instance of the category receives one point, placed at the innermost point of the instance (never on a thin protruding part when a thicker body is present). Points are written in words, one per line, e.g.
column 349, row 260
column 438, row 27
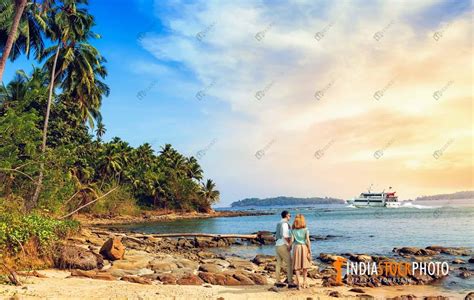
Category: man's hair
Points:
column 284, row 214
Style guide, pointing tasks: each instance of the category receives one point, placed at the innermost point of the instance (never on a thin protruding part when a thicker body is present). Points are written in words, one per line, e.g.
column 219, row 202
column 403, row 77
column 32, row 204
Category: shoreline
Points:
column 89, row 220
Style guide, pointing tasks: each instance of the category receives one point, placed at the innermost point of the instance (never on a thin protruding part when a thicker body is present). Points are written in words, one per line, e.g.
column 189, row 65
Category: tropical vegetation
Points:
column 54, row 160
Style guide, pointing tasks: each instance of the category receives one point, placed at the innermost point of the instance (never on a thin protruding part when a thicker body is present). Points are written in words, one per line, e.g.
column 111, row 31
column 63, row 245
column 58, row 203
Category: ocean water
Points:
column 356, row 230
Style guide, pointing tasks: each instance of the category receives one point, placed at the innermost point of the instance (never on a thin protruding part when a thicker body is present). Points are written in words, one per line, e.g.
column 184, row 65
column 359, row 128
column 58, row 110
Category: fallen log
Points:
column 237, row 236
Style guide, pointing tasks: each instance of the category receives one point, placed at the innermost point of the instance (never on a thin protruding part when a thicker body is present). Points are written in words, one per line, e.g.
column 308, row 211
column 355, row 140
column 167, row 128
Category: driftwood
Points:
column 237, row 236
column 12, row 276
column 32, row 274
column 161, row 235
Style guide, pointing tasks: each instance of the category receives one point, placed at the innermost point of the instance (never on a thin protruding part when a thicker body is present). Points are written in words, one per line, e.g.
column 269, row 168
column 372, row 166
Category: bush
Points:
column 16, row 230
column 120, row 202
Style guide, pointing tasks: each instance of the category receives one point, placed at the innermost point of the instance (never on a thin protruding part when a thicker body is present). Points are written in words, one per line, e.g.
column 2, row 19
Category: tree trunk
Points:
column 19, row 8
column 39, row 184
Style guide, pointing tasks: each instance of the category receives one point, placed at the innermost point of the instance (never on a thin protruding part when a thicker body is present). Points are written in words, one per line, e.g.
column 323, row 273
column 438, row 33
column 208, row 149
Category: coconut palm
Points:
column 209, row 192
column 100, row 131
column 73, row 63
column 6, row 10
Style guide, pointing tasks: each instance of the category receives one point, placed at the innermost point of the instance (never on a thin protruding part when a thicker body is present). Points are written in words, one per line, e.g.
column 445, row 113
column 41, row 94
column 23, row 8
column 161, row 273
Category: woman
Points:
column 301, row 249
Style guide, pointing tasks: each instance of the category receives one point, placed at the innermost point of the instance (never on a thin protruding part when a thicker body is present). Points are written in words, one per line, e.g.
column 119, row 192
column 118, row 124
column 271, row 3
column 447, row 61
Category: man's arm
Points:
column 286, row 235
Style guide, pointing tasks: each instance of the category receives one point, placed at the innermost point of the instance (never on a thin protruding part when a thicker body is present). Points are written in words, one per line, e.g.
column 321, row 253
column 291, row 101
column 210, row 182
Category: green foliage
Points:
column 17, row 229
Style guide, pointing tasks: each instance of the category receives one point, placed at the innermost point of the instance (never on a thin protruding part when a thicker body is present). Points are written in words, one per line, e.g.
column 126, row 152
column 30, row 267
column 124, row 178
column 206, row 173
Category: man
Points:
column 283, row 247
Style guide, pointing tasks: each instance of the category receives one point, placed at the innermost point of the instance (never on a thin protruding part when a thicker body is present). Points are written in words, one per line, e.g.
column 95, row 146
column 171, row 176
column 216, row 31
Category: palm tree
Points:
column 100, row 131
column 194, row 169
column 19, row 8
column 76, row 68
column 209, row 193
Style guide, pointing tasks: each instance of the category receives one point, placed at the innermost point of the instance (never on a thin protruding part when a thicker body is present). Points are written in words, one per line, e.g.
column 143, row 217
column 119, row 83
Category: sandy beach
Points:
column 59, row 286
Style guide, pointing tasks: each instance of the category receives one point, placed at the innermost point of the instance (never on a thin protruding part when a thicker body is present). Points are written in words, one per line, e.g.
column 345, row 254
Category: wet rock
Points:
column 74, row 257
column 465, row 275
column 136, row 279
column 210, row 268
column 415, row 251
column 263, row 259
column 458, row 261
column 159, row 265
column 461, row 251
column 206, row 254
column 335, row 294
column 190, row 279
column 113, row 249
column 360, row 258
column 471, row 260
column 92, row 274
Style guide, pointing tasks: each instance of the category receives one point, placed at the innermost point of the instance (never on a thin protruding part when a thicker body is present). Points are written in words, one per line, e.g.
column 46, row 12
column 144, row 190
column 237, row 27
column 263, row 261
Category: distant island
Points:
column 452, row 196
column 282, row 200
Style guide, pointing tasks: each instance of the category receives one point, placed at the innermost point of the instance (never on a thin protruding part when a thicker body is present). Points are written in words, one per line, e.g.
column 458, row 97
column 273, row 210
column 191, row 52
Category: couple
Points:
column 297, row 238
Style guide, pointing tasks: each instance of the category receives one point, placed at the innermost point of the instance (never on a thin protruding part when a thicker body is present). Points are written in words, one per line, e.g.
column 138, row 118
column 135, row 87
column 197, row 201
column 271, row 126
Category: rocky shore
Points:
column 135, row 258
column 158, row 216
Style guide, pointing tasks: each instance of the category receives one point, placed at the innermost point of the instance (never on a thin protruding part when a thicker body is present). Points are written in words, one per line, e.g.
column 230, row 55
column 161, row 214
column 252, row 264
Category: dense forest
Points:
column 282, row 201
column 53, row 159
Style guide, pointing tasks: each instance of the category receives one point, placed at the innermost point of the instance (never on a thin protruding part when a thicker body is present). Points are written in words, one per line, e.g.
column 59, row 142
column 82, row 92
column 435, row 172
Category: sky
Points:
column 296, row 98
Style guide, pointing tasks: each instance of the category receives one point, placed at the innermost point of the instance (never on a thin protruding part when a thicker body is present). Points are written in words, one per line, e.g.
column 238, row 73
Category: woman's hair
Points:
column 299, row 222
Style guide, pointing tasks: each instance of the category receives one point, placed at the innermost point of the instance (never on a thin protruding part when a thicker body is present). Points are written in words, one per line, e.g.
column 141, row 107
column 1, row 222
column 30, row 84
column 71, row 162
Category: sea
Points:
column 374, row 231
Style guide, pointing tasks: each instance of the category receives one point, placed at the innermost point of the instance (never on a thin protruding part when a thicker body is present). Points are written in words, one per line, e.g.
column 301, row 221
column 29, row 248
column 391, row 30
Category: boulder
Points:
column 74, row 257
column 263, row 259
column 465, row 275
column 404, row 251
column 471, row 260
column 132, row 262
column 92, row 274
column 217, row 261
column 113, row 249
column 211, row 278
column 361, row 258
column 159, row 265
column 357, row 290
column 203, row 242
column 403, row 297
column 435, row 298
column 206, row 254
column 136, row 279
column 458, row 261
column 243, row 279
column 166, row 278
column 241, row 264
column 330, row 258
column 461, row 251
column 258, row 279
column 210, row 268
column 190, row 279
column 186, row 263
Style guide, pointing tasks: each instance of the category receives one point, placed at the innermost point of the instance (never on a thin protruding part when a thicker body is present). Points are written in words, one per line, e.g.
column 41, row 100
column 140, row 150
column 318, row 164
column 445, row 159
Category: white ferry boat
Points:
column 371, row 199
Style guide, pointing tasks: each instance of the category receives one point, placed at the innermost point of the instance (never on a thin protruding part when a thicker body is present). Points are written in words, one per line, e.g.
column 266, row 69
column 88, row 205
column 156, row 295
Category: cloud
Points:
column 307, row 73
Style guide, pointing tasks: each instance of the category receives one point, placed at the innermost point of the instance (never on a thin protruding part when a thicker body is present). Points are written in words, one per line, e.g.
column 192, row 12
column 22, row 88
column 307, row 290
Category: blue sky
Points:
column 157, row 65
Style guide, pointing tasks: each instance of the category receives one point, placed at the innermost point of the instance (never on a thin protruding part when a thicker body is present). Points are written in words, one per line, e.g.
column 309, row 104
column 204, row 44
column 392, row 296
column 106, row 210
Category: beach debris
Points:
column 113, row 249
column 74, row 257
